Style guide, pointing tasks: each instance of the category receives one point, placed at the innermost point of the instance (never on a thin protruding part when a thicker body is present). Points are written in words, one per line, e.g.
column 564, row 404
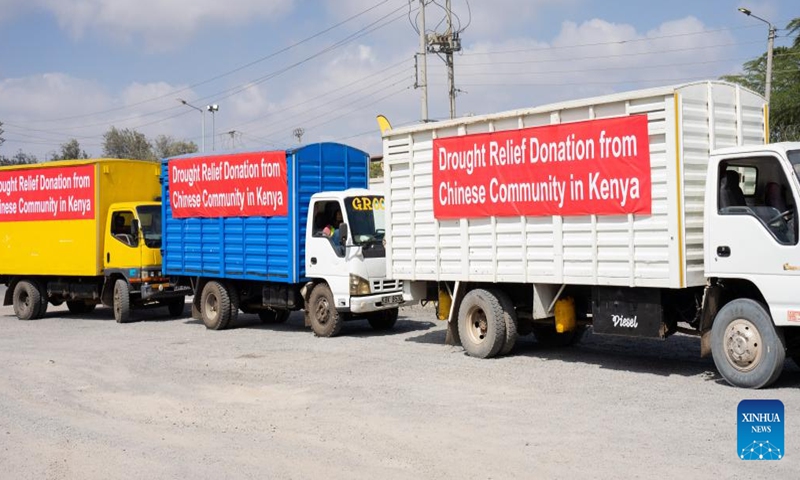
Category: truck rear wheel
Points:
column 747, row 348
column 324, row 318
column 273, row 316
column 27, row 300
column 215, row 306
column 510, row 317
column 80, row 307
column 481, row 324
column 383, row 320
column 122, row 301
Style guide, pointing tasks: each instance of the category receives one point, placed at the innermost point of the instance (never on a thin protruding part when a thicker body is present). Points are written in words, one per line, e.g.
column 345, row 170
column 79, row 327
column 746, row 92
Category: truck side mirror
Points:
column 343, row 233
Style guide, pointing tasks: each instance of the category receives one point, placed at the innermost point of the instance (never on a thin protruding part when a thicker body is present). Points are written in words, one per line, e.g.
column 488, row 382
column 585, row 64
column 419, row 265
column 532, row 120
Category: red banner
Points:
column 54, row 193
column 599, row 167
column 237, row 185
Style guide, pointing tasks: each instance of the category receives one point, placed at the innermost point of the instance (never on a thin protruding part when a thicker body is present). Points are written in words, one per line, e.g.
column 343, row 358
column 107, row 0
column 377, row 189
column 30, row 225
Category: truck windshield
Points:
column 794, row 158
column 366, row 215
column 150, row 218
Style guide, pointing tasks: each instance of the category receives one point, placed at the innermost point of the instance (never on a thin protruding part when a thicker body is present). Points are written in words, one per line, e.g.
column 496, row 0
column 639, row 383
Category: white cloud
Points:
column 159, row 24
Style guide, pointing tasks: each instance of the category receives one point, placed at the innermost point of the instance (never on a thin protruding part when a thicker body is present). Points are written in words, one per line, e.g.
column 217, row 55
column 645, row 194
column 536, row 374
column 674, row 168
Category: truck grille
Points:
column 380, row 286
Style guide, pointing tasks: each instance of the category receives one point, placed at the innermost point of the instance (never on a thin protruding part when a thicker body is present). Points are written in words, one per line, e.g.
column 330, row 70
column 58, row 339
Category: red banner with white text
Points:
column 53, row 193
column 236, row 185
column 599, row 167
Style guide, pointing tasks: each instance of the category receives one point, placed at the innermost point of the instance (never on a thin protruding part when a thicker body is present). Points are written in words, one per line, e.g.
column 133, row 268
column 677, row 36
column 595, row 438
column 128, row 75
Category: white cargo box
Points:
column 663, row 248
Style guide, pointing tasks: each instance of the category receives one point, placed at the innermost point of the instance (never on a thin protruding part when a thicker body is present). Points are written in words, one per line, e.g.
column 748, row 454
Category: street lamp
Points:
column 213, row 109
column 202, row 126
column 770, row 42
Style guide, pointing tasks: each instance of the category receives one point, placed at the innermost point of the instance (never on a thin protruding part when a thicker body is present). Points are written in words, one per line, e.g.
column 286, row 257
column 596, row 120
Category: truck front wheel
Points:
column 324, row 318
column 122, row 301
column 481, row 324
column 175, row 306
column 747, row 348
column 27, row 300
column 215, row 306
column 383, row 320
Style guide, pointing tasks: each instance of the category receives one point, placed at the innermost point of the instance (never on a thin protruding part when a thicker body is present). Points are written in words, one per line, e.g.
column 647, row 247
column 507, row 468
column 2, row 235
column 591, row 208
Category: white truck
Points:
column 643, row 214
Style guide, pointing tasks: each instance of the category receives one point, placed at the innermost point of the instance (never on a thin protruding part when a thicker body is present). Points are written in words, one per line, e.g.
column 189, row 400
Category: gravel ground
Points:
column 86, row 398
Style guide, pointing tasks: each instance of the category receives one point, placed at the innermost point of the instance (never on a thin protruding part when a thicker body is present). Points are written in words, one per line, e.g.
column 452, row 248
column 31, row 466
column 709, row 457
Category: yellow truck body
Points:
column 53, row 215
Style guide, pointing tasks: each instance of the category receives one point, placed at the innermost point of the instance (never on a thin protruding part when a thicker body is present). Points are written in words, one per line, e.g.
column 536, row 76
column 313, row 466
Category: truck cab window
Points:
column 327, row 221
column 121, row 228
column 758, row 187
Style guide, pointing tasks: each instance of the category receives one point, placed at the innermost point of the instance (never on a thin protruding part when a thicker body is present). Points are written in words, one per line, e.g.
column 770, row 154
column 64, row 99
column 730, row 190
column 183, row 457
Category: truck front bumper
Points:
column 377, row 302
column 163, row 291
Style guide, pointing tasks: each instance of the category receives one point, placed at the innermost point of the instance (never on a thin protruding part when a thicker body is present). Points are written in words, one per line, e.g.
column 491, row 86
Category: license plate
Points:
column 392, row 299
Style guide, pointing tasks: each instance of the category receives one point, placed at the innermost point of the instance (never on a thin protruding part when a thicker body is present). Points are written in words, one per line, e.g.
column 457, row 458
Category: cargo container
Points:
column 83, row 232
column 258, row 232
column 624, row 211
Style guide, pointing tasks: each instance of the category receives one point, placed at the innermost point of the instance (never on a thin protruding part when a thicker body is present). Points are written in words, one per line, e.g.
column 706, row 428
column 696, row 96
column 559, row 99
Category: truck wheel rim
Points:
column 322, row 311
column 477, row 325
column 743, row 345
column 212, row 307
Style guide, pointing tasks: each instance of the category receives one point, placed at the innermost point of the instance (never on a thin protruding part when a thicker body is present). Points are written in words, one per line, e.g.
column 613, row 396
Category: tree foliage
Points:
column 784, row 116
column 166, row 146
column 71, row 151
column 19, row 158
column 126, row 143
column 376, row 169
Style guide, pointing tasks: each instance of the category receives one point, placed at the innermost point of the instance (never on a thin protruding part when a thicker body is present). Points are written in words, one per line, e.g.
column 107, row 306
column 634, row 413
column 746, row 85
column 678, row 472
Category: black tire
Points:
column 383, row 320
column 324, row 318
column 547, row 336
column 215, row 306
column 796, row 359
column 43, row 303
column 122, row 301
column 510, row 317
column 176, row 306
column 80, row 307
column 273, row 316
column 747, row 348
column 233, row 295
column 27, row 300
column 481, row 323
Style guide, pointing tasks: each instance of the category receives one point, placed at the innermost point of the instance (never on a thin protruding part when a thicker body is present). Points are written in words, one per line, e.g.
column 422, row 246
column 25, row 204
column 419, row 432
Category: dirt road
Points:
column 86, row 398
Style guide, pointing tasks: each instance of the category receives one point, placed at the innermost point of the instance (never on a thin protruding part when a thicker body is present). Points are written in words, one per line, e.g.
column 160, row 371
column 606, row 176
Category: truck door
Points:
column 753, row 230
column 121, row 242
column 325, row 254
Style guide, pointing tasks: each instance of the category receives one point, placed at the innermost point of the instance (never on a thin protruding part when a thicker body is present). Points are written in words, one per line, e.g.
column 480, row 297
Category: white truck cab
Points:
column 752, row 253
column 345, row 254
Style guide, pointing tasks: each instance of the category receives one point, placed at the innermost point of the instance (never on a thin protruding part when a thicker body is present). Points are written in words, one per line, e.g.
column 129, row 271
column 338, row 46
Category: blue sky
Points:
column 73, row 68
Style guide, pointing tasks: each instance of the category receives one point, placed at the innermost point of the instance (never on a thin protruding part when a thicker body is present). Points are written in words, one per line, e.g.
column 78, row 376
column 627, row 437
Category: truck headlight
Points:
column 358, row 285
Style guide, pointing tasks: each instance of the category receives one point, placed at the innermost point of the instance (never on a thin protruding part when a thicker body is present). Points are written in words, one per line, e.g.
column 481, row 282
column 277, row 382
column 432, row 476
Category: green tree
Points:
column 376, row 169
column 19, row 158
column 126, row 143
column 784, row 109
column 71, row 151
column 165, row 146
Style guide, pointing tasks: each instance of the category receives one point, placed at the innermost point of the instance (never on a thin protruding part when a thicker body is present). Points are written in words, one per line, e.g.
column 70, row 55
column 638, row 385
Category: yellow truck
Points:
column 83, row 232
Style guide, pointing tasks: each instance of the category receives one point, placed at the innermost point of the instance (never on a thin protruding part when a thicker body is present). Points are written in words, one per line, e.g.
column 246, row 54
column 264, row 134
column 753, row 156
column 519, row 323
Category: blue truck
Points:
column 272, row 232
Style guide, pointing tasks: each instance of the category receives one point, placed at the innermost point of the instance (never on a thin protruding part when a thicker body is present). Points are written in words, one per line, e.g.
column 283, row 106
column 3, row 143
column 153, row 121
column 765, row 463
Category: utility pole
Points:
column 423, row 48
column 447, row 43
column 2, row 140
column 232, row 133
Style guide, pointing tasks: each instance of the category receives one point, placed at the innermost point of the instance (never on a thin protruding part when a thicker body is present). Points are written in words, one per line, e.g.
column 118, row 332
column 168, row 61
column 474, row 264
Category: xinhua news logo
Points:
column 760, row 434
